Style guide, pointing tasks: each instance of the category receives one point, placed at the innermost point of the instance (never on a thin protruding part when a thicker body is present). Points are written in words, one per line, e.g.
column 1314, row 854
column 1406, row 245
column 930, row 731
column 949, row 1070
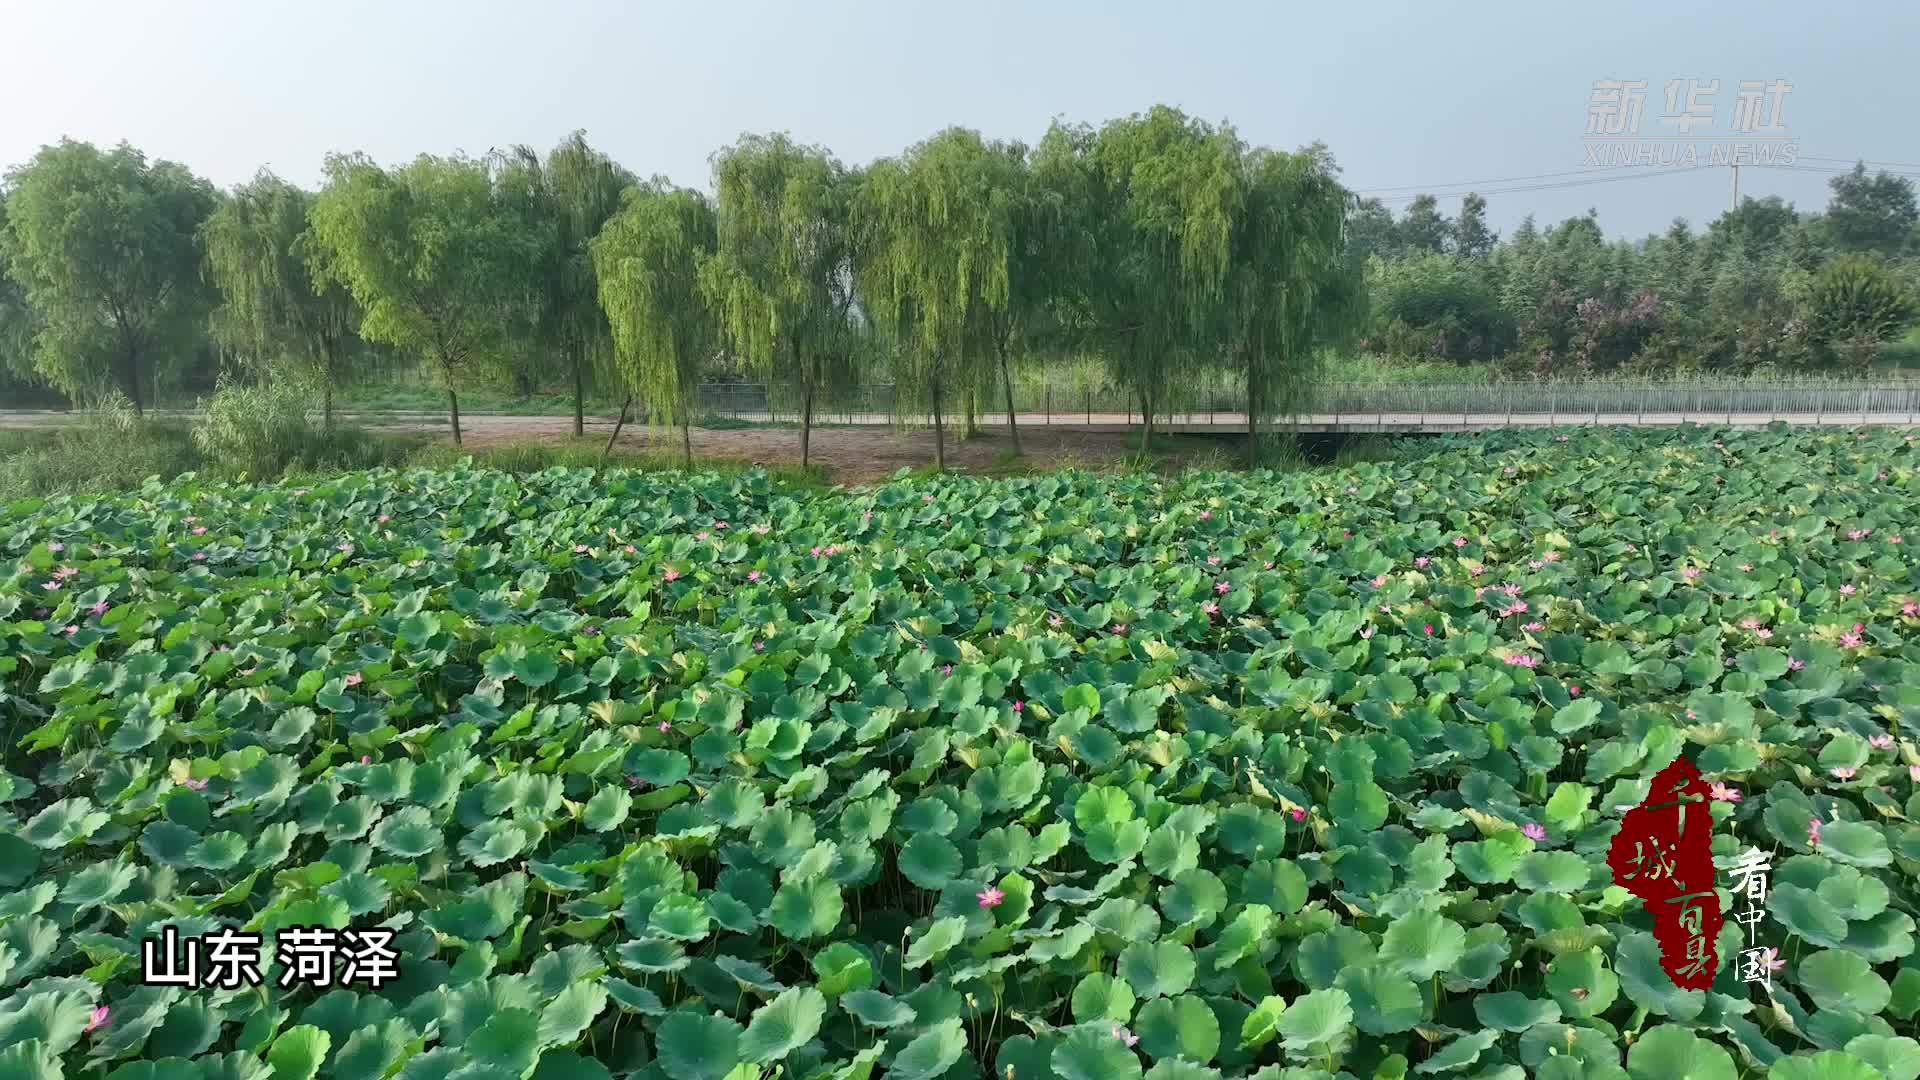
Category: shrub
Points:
column 256, row 430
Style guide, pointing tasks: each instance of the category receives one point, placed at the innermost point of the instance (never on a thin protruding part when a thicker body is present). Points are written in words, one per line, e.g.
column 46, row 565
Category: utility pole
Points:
column 1735, row 205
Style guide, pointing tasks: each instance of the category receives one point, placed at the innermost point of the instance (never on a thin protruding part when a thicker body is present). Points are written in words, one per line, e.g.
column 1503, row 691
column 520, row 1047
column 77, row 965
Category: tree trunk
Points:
column 1146, row 417
column 971, row 430
column 574, row 351
column 939, row 431
column 806, row 421
column 686, row 441
column 326, row 404
column 453, row 409
column 133, row 382
column 618, row 424
column 1006, row 379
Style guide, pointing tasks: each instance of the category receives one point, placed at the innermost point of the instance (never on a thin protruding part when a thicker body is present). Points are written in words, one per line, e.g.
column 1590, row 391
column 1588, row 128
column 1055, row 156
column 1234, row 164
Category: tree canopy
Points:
column 105, row 246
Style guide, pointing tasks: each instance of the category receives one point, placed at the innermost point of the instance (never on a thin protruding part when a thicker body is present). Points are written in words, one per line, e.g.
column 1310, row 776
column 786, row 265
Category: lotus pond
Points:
column 1090, row 777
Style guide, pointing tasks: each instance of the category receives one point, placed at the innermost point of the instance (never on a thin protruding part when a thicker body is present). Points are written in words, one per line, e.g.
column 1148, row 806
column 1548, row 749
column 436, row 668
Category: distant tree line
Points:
column 1765, row 288
column 1159, row 243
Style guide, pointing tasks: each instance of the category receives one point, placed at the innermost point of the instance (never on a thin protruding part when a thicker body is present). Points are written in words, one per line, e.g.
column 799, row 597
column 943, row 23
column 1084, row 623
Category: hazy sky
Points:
column 1406, row 95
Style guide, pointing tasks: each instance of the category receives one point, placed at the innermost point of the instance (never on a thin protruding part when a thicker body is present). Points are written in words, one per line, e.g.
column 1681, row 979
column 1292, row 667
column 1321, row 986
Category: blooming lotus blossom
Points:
column 1851, row 641
column 759, row 646
column 199, row 530
column 1119, row 628
column 383, row 519
column 366, row 759
column 722, row 526
column 71, row 630
column 1856, row 534
column 1553, row 556
column 199, row 556
column 1222, row 587
column 1795, row 663
column 1366, row 632
column 1054, row 620
column 947, row 670
column 1750, row 624
column 1522, row 660
column 580, row 549
column 1691, row 572
column 1896, row 539
column 1125, row 1036
column 1269, row 566
column 353, row 678
column 1535, row 564
column 1574, row 689
column 1913, row 773
column 1847, row 590
column 991, row 898
column 832, row 551
column 1882, row 741
column 1459, row 541
column 816, row 553
column 1422, row 562
column 1763, row 634
column 1429, row 629
column 1534, row 627
column 1723, row 793
column 1746, row 568
column 1206, row 515
column 1769, row 957
column 1213, row 560
column 1845, row 772
column 1210, row 608
column 753, row 575
column 592, row 631
column 1298, row 814
column 51, row 586
column 671, row 574
column 701, row 536
column 196, row 785
column 630, row 549
column 1910, row 608
column 100, row 1018
column 1019, row 706
column 99, row 608
column 666, row 726
column 1813, row 832
column 1534, row 831
column 1380, row 582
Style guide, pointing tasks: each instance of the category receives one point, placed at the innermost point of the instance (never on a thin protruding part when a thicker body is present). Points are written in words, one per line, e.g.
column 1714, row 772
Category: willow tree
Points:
column 939, row 234
column 434, row 255
column 106, row 248
column 649, row 260
column 565, row 200
column 782, row 279
column 276, row 306
column 1149, row 206
column 1294, row 287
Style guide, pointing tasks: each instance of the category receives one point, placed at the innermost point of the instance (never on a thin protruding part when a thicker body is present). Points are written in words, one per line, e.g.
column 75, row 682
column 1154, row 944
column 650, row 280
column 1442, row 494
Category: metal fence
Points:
column 1354, row 405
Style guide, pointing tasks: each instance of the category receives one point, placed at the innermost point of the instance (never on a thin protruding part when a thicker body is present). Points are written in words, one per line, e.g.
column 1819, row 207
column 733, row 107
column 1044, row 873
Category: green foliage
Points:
column 649, row 260
column 262, row 256
column 1858, row 305
column 434, row 253
column 106, row 248
column 878, row 809
column 257, row 430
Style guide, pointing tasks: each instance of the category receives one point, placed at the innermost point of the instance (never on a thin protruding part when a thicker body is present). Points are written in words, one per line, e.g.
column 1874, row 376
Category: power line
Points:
column 1556, row 185
column 1865, row 161
column 1433, row 188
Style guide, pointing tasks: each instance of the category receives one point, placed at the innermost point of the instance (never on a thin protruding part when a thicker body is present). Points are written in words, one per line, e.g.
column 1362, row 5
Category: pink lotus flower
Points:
column 666, row 726
column 1913, row 773
column 1222, row 588
column 1795, row 663
column 1746, row 568
column 1896, row 539
column 199, row 530
column 634, row 783
column 1210, row 608
column 56, row 548
column 1535, row 564
column 592, row 631
column 1119, row 628
column 947, row 670
column 196, row 785
column 832, row 551
column 926, row 498
column 1553, row 556
column 763, row 528
column 1422, row 562
column 1534, row 627
column 1843, row 773
column 753, row 575
column 816, row 553
column 1380, row 582
column 1522, row 660
column 1770, row 957
column 722, row 526
column 354, row 678
column 1691, row 572
column 1298, row 814
column 759, row 646
column 1213, row 560
column 1574, row 689
column 1269, row 566
column 1019, row 706
column 629, row 549
column 1763, row 634
column 98, row 1019
column 701, row 536
column 1366, row 632
column 1881, row 742
column 1910, row 608
column 348, row 548
column 1206, row 515
column 1459, row 541
column 671, row 574
column 1723, row 793
column 991, row 898
column 383, row 519
column 1534, row 831
column 1856, row 534
column 1126, row 1036
column 1813, row 832
column 51, row 586
column 366, row 759
column 1054, row 620
column 199, row 556
column 1429, row 629
column 580, row 549
column 1847, row 590
column 99, row 608
column 1851, row 641
column 71, row 630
